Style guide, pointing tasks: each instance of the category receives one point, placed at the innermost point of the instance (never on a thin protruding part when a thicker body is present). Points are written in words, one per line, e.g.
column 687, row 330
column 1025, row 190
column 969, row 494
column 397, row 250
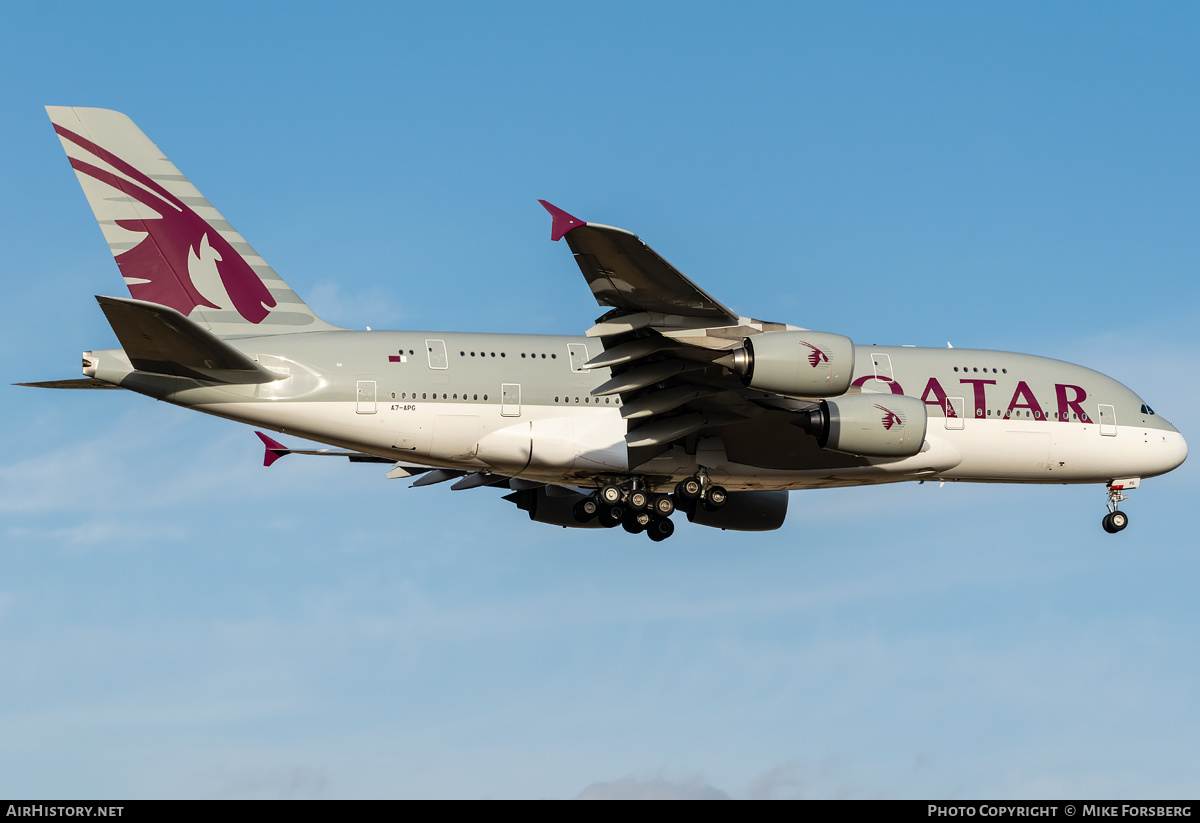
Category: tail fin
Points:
column 172, row 246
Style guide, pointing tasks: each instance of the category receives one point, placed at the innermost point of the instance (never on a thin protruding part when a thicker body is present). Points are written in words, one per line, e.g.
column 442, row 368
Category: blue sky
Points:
column 177, row 621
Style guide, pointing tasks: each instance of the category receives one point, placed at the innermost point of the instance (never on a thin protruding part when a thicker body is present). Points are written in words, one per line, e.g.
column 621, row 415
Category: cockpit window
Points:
column 1146, row 409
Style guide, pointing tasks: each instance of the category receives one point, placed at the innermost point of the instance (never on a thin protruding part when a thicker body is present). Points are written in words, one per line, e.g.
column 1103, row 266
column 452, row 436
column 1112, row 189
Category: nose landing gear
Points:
column 1115, row 520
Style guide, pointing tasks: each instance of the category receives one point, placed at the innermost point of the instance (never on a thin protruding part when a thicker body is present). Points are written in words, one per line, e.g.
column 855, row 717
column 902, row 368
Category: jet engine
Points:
column 800, row 363
column 745, row 512
column 869, row 425
column 553, row 509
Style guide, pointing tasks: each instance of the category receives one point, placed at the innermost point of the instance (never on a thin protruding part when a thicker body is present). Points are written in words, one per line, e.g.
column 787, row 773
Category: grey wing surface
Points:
column 664, row 339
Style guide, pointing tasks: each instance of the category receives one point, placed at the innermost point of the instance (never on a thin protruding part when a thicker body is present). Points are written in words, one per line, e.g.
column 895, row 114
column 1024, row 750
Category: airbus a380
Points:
column 671, row 401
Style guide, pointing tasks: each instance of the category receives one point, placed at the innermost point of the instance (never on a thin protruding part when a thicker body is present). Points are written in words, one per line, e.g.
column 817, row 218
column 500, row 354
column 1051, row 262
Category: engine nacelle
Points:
column 869, row 425
column 745, row 512
column 800, row 363
column 553, row 509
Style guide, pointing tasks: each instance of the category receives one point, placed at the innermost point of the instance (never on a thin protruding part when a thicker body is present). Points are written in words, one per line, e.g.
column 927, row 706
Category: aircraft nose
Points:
column 1170, row 450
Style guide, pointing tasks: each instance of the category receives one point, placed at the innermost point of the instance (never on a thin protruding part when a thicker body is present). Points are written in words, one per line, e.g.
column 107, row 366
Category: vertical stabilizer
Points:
column 172, row 247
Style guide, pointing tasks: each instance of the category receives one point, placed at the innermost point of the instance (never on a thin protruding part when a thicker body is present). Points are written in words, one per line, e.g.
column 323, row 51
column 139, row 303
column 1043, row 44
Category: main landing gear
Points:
column 1115, row 520
column 637, row 509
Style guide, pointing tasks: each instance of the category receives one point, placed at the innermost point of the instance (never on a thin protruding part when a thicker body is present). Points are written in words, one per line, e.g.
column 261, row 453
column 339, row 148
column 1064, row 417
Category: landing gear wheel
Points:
column 610, row 494
column 636, row 522
column 660, row 530
column 689, row 488
column 1115, row 522
column 638, row 500
column 715, row 498
column 611, row 516
column 586, row 509
column 664, row 506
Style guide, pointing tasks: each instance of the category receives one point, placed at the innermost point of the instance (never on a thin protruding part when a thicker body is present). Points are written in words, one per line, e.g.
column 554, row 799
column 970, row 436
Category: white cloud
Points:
column 652, row 787
column 299, row 783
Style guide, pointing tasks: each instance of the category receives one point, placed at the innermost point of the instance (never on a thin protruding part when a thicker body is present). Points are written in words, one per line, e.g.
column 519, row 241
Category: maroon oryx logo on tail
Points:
column 890, row 418
column 157, row 268
column 816, row 356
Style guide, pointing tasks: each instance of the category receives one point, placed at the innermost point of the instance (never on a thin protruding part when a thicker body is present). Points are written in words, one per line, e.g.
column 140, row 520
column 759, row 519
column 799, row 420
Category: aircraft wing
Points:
column 625, row 273
column 666, row 340
column 273, row 450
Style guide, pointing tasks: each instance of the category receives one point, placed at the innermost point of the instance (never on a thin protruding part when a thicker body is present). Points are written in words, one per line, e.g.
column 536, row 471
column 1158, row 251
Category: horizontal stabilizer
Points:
column 159, row 339
column 74, row 383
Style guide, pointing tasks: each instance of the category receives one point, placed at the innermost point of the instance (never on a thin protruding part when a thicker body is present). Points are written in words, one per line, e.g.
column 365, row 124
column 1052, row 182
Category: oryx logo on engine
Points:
column 890, row 418
column 816, row 356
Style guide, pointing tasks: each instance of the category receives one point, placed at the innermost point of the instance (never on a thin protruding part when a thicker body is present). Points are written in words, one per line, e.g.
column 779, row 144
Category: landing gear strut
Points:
column 1115, row 520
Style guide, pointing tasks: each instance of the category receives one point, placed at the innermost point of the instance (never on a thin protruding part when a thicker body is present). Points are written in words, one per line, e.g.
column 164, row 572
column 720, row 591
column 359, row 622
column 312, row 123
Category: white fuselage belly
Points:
column 564, row 444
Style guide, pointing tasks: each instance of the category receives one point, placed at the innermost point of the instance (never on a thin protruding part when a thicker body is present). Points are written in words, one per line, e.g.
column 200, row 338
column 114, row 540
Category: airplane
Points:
column 671, row 401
